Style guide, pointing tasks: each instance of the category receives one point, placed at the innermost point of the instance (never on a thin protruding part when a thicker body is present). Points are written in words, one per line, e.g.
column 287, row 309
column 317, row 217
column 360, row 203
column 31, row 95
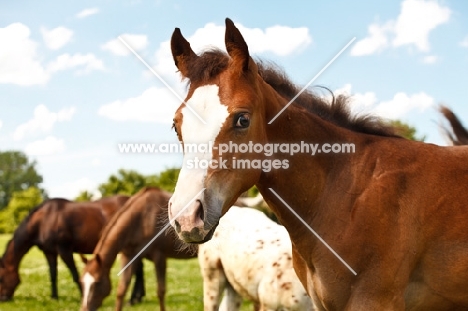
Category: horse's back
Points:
column 67, row 224
column 110, row 205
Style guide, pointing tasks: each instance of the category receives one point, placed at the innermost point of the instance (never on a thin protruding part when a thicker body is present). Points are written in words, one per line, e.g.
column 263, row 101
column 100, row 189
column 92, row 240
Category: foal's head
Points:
column 95, row 283
column 9, row 280
column 227, row 93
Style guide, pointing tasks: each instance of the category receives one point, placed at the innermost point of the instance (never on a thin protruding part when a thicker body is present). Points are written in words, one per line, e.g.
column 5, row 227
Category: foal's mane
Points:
column 212, row 62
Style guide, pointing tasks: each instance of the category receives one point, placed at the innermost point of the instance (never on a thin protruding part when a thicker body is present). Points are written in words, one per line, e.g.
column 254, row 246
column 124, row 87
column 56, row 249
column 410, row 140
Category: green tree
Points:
column 407, row 131
column 17, row 173
column 127, row 182
column 84, row 196
column 19, row 207
column 167, row 179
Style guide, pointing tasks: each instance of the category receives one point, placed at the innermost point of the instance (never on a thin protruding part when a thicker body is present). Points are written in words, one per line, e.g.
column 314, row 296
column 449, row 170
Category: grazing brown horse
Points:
column 395, row 211
column 127, row 233
column 59, row 228
column 457, row 134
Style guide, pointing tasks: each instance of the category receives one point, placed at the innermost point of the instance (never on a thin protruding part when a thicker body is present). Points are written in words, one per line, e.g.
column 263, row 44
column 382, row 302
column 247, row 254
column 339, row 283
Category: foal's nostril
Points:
column 200, row 214
column 177, row 225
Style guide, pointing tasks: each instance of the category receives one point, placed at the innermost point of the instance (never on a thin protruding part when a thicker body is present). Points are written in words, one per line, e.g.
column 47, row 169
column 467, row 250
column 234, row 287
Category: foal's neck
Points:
column 109, row 251
column 116, row 238
column 302, row 184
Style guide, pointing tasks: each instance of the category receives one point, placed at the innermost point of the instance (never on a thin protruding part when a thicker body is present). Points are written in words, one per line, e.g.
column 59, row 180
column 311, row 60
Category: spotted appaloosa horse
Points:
column 250, row 256
column 130, row 229
column 394, row 210
column 60, row 228
column 457, row 133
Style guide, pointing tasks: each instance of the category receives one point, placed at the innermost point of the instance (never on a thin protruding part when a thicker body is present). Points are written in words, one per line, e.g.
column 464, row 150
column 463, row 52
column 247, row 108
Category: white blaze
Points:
column 87, row 280
column 206, row 103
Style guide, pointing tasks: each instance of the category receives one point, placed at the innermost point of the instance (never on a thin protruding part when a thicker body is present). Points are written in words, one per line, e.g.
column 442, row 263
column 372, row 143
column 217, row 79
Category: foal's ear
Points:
column 84, row 259
column 181, row 52
column 236, row 46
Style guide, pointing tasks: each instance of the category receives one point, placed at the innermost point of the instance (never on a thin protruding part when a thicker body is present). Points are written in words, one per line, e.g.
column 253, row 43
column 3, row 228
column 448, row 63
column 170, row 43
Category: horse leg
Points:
column 124, row 281
column 67, row 257
column 52, row 262
column 214, row 283
column 139, row 287
column 232, row 301
column 160, row 264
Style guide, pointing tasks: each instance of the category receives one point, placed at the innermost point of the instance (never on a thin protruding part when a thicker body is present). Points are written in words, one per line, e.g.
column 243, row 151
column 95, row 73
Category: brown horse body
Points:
column 127, row 233
column 59, row 228
column 394, row 210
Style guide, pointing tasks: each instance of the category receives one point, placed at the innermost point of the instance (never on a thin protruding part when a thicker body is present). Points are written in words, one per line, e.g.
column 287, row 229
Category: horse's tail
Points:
column 457, row 133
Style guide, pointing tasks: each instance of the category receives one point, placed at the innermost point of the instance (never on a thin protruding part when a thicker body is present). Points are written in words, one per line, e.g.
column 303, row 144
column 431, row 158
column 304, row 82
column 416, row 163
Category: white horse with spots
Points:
column 250, row 257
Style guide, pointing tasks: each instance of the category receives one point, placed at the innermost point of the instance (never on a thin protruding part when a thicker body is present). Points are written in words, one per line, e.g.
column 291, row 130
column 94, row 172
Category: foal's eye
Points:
column 242, row 120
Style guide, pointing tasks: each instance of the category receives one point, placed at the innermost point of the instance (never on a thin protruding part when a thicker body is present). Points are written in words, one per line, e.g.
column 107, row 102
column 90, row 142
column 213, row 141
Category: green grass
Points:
column 184, row 290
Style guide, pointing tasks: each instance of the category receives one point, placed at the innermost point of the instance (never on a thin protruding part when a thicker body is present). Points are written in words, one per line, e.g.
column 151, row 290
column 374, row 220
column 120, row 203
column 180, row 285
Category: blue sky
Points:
column 70, row 92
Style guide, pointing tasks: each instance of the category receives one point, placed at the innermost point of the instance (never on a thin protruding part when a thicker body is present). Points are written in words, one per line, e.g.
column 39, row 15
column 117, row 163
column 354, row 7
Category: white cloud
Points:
column 70, row 190
column 42, row 121
column 1, row 124
column 279, row 40
column 413, row 25
column 48, row 146
column 375, row 42
column 19, row 61
column 87, row 63
column 397, row 107
column 464, row 42
column 401, row 104
column 20, row 64
column 165, row 63
column 430, row 59
column 87, row 12
column 154, row 105
column 416, row 20
column 56, row 38
column 95, row 162
column 115, row 46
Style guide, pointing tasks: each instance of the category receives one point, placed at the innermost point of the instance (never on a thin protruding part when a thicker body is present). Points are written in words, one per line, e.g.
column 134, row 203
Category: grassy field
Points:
column 184, row 290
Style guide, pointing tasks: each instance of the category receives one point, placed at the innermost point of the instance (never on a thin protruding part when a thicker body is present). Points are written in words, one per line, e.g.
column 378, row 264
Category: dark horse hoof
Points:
column 135, row 300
